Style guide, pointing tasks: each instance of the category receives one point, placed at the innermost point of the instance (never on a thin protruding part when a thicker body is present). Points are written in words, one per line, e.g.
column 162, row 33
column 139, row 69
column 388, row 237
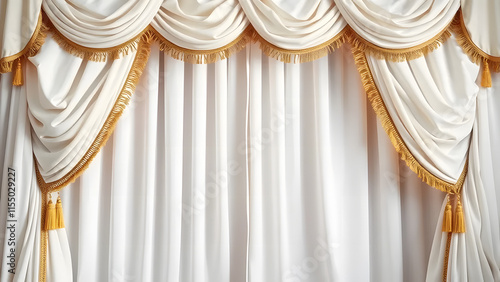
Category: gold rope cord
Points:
column 30, row 50
column 446, row 256
column 391, row 130
column 303, row 55
column 398, row 55
column 475, row 54
column 44, row 236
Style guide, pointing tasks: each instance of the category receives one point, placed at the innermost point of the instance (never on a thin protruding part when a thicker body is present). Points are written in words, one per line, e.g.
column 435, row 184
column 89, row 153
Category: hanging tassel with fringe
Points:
column 486, row 76
column 50, row 215
column 459, row 222
column 59, row 213
column 18, row 74
column 447, row 223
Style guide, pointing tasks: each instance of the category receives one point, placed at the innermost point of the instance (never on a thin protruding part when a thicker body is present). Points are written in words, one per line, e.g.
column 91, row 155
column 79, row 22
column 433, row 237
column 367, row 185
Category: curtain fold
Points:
column 307, row 213
column 405, row 24
column 432, row 113
column 69, row 102
column 19, row 27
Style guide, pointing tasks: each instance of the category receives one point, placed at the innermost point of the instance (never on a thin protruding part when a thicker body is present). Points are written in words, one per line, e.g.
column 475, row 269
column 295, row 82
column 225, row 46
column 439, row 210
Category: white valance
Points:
column 398, row 24
column 70, row 100
column 295, row 25
column 104, row 24
column 200, row 26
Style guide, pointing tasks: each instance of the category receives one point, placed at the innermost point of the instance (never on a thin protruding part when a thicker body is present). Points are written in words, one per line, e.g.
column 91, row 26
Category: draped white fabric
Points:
column 17, row 25
column 482, row 22
column 103, row 24
column 200, row 25
column 398, row 24
column 438, row 117
column 20, row 228
column 432, row 112
column 201, row 182
column 294, row 24
column 69, row 101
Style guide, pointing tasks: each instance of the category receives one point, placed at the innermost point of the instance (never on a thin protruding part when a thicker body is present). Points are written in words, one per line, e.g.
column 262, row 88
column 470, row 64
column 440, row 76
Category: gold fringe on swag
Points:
column 475, row 54
column 30, row 50
column 304, row 55
column 398, row 55
column 141, row 58
column 149, row 34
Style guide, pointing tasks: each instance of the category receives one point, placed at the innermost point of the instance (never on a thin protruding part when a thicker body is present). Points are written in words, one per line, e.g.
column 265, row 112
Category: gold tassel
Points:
column 18, row 74
column 486, row 76
column 59, row 214
column 447, row 217
column 459, row 222
column 50, row 216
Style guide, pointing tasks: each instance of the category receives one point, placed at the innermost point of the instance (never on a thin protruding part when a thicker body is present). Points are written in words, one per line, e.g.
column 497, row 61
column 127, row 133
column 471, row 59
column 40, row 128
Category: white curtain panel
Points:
column 101, row 24
column 20, row 202
column 69, row 101
column 250, row 169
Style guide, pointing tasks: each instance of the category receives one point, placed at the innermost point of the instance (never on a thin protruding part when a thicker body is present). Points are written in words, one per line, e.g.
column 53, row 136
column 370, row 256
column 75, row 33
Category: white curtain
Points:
column 275, row 172
column 247, row 169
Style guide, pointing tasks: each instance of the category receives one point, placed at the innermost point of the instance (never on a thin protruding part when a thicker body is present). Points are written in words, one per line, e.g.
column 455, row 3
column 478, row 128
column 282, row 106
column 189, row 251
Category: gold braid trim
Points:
column 201, row 56
column 303, row 55
column 44, row 236
column 475, row 54
column 391, row 130
column 122, row 101
column 446, row 256
column 30, row 50
column 398, row 55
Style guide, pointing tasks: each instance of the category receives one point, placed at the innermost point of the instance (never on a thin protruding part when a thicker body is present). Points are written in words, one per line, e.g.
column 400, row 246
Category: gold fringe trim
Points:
column 475, row 54
column 398, row 55
column 123, row 99
column 303, row 55
column 30, row 50
column 94, row 54
column 391, row 130
column 200, row 56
